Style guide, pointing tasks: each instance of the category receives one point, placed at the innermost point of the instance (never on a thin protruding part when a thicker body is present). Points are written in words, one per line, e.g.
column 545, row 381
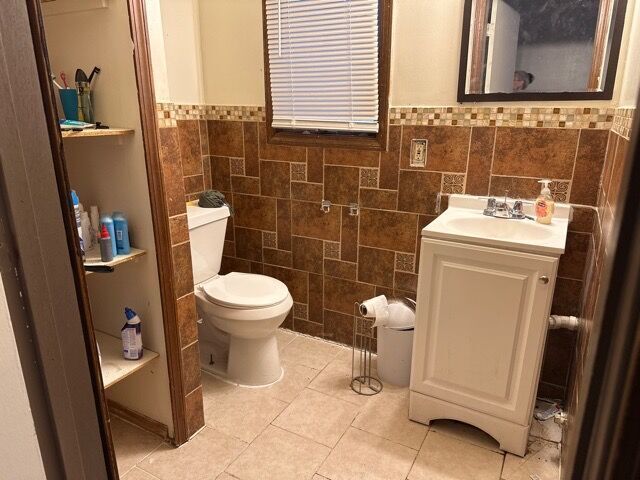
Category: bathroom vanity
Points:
column 484, row 296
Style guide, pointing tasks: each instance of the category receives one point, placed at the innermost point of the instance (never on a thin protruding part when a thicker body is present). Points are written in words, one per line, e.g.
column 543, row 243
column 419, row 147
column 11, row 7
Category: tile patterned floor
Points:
column 312, row 426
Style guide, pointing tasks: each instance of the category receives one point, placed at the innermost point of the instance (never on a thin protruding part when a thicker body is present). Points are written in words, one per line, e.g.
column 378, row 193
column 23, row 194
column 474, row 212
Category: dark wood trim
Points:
column 481, row 16
column 605, row 94
column 138, row 419
column 600, row 43
column 146, row 99
column 376, row 141
column 64, row 187
column 606, row 445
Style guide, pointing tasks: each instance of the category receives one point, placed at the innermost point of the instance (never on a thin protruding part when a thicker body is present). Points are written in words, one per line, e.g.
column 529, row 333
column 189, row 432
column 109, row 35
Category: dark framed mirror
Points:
column 541, row 50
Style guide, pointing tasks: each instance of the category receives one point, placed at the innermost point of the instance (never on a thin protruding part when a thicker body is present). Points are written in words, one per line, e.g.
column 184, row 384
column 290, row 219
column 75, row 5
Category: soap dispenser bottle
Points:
column 545, row 205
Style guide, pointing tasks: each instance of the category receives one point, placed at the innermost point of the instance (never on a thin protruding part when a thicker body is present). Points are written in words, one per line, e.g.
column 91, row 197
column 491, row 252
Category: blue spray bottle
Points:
column 121, row 227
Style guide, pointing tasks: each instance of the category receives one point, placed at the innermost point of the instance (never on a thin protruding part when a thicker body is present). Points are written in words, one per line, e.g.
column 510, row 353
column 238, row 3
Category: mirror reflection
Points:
column 537, row 46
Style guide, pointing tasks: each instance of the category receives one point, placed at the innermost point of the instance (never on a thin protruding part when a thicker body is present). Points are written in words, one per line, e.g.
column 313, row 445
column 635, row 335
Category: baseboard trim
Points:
column 138, row 419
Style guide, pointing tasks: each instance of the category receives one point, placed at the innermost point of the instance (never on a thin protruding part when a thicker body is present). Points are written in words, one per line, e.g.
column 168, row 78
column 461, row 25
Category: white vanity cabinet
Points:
column 481, row 324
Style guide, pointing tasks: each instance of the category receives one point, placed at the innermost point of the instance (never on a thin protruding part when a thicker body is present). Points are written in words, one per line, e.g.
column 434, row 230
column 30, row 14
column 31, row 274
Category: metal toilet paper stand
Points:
column 362, row 381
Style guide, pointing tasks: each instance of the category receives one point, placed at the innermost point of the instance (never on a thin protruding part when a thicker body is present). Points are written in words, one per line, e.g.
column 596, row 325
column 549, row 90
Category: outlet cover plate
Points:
column 418, row 152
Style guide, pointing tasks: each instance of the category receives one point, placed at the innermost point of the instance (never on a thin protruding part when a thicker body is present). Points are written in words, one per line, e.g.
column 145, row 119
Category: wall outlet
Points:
column 418, row 152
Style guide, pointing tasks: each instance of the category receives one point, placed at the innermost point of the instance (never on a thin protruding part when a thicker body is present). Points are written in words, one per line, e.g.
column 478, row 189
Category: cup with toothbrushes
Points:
column 68, row 98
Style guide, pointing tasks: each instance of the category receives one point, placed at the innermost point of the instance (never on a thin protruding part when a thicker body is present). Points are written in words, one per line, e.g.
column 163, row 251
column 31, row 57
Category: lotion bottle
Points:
column 545, row 205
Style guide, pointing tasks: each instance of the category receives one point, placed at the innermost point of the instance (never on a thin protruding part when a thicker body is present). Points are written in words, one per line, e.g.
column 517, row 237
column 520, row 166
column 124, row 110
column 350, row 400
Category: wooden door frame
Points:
column 607, row 438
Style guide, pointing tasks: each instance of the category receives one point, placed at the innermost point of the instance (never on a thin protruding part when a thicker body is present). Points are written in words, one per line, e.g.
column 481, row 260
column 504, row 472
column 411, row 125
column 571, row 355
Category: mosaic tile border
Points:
column 528, row 117
column 622, row 121
column 531, row 117
column 169, row 113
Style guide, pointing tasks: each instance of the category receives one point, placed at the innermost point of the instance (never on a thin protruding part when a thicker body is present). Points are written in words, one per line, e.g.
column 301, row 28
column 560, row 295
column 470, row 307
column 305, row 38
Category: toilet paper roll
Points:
column 376, row 307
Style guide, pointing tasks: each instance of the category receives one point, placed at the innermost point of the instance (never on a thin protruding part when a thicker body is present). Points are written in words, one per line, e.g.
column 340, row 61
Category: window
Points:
column 327, row 71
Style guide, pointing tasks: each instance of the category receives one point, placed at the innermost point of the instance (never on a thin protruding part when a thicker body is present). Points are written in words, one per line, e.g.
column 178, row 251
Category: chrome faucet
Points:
column 502, row 209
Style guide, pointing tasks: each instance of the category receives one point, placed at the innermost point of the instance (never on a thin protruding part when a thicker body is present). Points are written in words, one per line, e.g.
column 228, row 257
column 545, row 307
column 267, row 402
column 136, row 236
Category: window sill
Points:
column 377, row 142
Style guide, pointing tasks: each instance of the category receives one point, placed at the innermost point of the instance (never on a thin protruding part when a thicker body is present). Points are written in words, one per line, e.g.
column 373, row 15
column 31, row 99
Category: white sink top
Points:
column 463, row 221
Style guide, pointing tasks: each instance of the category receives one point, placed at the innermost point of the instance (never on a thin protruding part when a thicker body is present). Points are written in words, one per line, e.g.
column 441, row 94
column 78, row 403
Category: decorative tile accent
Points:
column 452, row 183
column 369, row 177
column 332, row 250
column 546, row 117
column 560, row 190
column 622, row 122
column 237, row 166
column 300, row 310
column 299, row 172
column 209, row 112
column 269, row 240
column 405, row 262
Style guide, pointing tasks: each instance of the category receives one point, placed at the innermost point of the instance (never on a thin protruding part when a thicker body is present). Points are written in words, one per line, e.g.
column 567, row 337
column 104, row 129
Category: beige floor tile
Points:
column 284, row 337
column 365, row 456
column 542, row 460
column 547, row 430
column 466, row 433
column 225, row 476
column 295, row 379
column 131, row 443
column 241, row 412
column 310, row 352
column 136, row 474
column 212, row 386
column 446, row 458
column 204, row 457
column 387, row 415
column 318, row 417
column 335, row 380
column 279, row 454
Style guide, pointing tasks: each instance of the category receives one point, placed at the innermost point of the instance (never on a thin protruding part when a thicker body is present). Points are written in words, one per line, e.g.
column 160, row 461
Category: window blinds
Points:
column 323, row 62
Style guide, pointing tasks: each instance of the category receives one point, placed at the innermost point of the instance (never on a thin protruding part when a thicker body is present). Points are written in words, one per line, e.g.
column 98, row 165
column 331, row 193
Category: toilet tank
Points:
column 207, row 227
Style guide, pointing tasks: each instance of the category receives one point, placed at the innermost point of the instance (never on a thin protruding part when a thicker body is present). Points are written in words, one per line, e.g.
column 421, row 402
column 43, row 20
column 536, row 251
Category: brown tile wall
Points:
column 601, row 246
column 326, row 259
column 183, row 168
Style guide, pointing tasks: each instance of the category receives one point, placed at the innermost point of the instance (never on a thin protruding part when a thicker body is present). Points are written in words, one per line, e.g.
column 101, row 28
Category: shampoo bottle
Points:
column 545, row 205
column 107, row 221
column 121, row 227
column 106, row 247
column 131, row 334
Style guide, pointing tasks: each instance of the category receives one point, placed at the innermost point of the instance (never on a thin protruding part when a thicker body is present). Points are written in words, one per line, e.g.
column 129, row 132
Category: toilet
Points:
column 239, row 313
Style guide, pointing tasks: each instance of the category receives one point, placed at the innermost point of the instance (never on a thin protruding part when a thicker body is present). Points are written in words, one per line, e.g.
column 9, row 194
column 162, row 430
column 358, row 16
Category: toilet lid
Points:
column 245, row 290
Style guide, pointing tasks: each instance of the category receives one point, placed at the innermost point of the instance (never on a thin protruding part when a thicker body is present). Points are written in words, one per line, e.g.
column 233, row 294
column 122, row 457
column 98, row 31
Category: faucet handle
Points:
column 517, row 208
column 491, row 206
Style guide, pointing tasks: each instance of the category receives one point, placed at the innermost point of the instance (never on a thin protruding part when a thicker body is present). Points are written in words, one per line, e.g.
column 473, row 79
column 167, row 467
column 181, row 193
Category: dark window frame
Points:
column 377, row 141
column 605, row 94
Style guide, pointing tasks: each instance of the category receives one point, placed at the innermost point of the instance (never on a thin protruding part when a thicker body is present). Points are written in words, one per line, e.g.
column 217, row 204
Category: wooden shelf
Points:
column 113, row 366
column 92, row 258
column 102, row 132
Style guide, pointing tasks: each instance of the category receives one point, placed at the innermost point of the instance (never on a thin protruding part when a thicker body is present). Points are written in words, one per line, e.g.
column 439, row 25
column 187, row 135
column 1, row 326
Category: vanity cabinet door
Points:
column 481, row 326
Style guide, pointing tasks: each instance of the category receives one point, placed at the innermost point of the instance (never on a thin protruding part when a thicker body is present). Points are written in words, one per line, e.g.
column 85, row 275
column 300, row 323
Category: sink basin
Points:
column 463, row 221
column 523, row 230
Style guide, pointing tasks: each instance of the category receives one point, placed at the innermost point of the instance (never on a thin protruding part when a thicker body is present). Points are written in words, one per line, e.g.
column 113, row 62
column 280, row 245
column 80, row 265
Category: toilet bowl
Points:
column 240, row 312
column 249, row 308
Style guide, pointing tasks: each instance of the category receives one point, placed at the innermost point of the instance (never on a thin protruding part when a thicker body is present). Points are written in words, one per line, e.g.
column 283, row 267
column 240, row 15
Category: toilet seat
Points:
column 244, row 291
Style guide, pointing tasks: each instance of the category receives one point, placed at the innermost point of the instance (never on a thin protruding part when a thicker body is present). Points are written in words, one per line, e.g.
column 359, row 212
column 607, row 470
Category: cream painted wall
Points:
column 22, row 453
column 631, row 64
column 181, row 29
column 157, row 50
column 232, row 61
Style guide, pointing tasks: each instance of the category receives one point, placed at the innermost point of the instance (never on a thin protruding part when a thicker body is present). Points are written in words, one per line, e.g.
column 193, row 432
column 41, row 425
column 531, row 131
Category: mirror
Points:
column 539, row 49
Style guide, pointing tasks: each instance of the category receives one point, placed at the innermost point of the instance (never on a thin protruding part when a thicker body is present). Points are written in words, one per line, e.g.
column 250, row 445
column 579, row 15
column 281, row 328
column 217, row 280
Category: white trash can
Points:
column 395, row 345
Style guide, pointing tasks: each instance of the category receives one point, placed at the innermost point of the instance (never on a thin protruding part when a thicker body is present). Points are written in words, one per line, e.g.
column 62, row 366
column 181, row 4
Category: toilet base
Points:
column 254, row 361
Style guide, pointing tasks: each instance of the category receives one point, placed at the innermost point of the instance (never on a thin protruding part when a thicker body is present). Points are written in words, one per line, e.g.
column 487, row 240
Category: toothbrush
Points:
column 53, row 79
column 63, row 77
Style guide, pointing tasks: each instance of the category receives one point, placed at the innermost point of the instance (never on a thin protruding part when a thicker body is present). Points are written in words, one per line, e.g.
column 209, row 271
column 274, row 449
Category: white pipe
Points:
column 563, row 321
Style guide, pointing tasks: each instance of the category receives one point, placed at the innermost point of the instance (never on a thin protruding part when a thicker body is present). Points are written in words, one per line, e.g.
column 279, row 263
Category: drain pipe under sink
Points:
column 563, row 321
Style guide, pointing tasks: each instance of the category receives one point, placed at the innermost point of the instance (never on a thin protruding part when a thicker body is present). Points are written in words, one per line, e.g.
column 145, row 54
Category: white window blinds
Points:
column 323, row 62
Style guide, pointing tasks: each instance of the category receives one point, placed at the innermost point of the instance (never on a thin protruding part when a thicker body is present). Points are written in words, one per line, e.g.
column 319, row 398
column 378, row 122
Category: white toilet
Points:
column 240, row 312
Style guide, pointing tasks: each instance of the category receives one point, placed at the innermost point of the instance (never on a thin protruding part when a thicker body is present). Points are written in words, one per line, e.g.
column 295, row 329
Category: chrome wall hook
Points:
column 354, row 209
column 325, row 206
